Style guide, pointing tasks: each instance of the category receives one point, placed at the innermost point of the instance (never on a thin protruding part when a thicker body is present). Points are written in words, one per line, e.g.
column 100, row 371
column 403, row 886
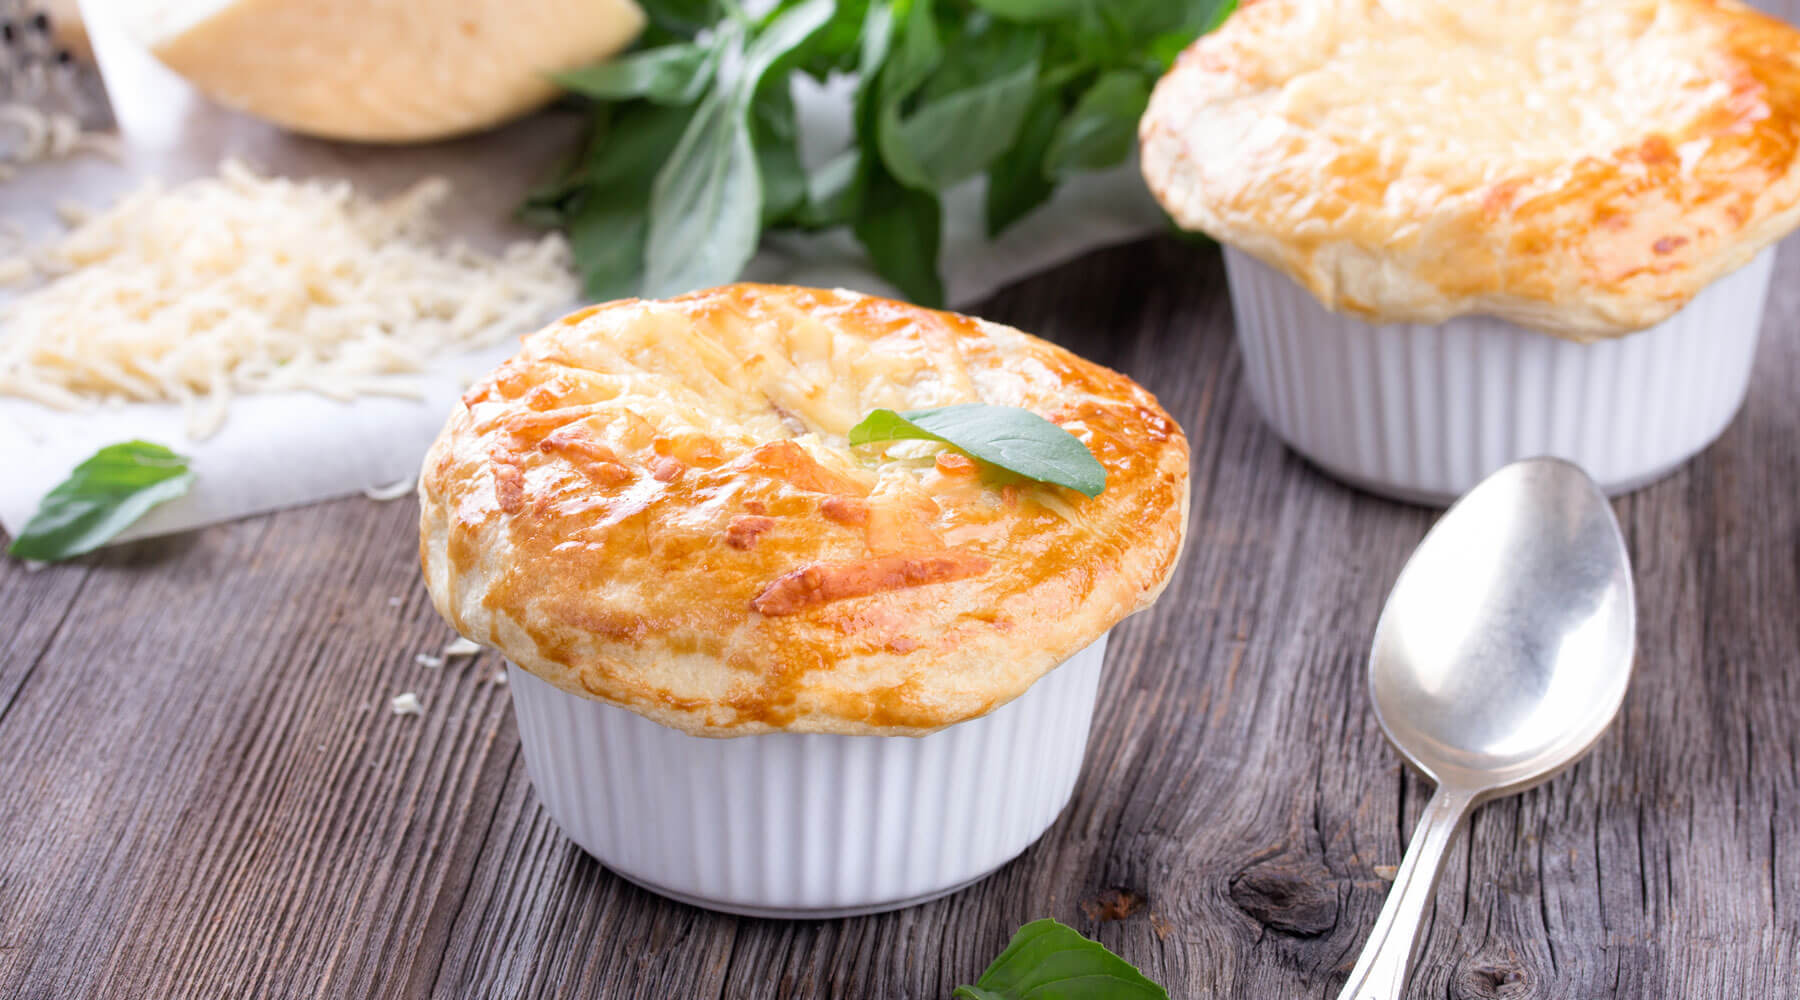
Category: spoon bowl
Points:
column 1505, row 648
column 1503, row 653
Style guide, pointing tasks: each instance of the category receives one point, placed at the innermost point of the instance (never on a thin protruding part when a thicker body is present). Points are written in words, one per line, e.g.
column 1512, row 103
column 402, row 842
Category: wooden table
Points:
column 204, row 794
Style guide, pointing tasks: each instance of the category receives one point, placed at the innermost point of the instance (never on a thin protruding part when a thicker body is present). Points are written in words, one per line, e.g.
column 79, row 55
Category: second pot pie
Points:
column 1460, row 233
column 654, row 505
column 1582, row 168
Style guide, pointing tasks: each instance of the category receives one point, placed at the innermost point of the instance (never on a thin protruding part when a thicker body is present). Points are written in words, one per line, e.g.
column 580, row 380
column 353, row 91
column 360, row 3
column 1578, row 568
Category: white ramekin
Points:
column 807, row 825
column 1423, row 412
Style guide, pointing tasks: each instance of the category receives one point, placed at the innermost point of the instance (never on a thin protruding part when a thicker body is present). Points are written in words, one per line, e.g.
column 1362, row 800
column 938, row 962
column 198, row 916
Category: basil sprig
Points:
column 1016, row 440
column 1050, row 961
column 694, row 145
column 102, row 497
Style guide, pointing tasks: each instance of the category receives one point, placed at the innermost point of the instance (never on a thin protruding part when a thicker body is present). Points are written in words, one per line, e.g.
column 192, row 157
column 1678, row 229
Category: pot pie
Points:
column 1581, row 168
column 654, row 504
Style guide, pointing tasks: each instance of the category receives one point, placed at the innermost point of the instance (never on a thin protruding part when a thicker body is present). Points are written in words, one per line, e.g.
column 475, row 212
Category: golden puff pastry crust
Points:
column 654, row 504
column 1581, row 167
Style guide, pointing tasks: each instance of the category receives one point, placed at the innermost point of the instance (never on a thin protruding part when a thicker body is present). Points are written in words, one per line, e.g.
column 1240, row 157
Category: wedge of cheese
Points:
column 381, row 70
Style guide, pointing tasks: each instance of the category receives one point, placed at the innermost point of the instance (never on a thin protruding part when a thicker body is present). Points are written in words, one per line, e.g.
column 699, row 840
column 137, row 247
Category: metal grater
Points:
column 37, row 71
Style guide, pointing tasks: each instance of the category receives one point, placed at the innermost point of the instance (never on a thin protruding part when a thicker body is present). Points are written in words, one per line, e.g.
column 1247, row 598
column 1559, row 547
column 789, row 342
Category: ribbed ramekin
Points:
column 807, row 825
column 1423, row 412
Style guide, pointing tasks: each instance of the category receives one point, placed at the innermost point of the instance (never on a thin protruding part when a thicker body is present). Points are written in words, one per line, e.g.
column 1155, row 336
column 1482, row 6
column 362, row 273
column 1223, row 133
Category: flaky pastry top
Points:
column 654, row 504
column 1581, row 167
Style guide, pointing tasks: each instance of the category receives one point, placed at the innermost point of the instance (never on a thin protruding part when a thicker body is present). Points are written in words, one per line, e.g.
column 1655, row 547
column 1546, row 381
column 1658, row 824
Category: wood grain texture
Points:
column 203, row 793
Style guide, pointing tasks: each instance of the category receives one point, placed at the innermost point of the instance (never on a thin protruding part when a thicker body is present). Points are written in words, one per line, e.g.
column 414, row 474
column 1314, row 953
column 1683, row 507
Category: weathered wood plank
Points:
column 34, row 609
column 202, row 791
column 224, row 791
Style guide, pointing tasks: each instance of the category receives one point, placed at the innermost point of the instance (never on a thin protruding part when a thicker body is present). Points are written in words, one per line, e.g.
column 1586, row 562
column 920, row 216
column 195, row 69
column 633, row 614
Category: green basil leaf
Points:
column 1031, row 11
column 1017, row 181
column 898, row 226
column 609, row 222
column 1047, row 960
column 685, row 18
column 967, row 115
column 873, row 44
column 607, row 236
column 1166, row 48
column 835, row 47
column 976, row 50
column 1062, row 69
column 916, row 50
column 883, row 424
column 1198, row 18
column 1009, row 437
column 102, row 497
column 835, row 190
column 902, row 229
column 1123, row 29
column 776, row 134
column 706, row 204
column 553, row 201
column 1102, row 128
column 1192, row 18
column 671, row 74
column 780, row 39
column 1221, row 9
column 1096, row 36
column 639, row 140
column 549, row 204
column 879, row 31
column 832, row 193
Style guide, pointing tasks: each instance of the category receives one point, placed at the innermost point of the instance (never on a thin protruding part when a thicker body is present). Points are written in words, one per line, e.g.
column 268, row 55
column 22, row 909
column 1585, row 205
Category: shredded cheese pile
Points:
column 241, row 283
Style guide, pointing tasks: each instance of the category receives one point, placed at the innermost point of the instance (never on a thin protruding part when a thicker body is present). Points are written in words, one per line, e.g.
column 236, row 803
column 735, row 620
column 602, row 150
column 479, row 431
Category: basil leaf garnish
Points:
column 1009, row 437
column 1050, row 961
column 102, row 497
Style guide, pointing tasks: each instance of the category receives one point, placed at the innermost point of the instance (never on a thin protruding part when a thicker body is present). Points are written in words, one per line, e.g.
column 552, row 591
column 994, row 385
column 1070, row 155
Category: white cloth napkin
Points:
column 282, row 449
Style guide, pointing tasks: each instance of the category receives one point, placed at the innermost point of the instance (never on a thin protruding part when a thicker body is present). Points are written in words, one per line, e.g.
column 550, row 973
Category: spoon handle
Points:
column 1380, row 972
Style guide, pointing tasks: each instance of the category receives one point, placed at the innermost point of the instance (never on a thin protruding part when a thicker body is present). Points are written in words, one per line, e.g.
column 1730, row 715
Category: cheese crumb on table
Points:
column 460, row 646
column 406, row 704
column 427, row 660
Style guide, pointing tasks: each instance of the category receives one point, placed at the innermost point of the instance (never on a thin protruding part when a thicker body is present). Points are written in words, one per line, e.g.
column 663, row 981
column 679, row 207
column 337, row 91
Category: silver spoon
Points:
column 1502, row 655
